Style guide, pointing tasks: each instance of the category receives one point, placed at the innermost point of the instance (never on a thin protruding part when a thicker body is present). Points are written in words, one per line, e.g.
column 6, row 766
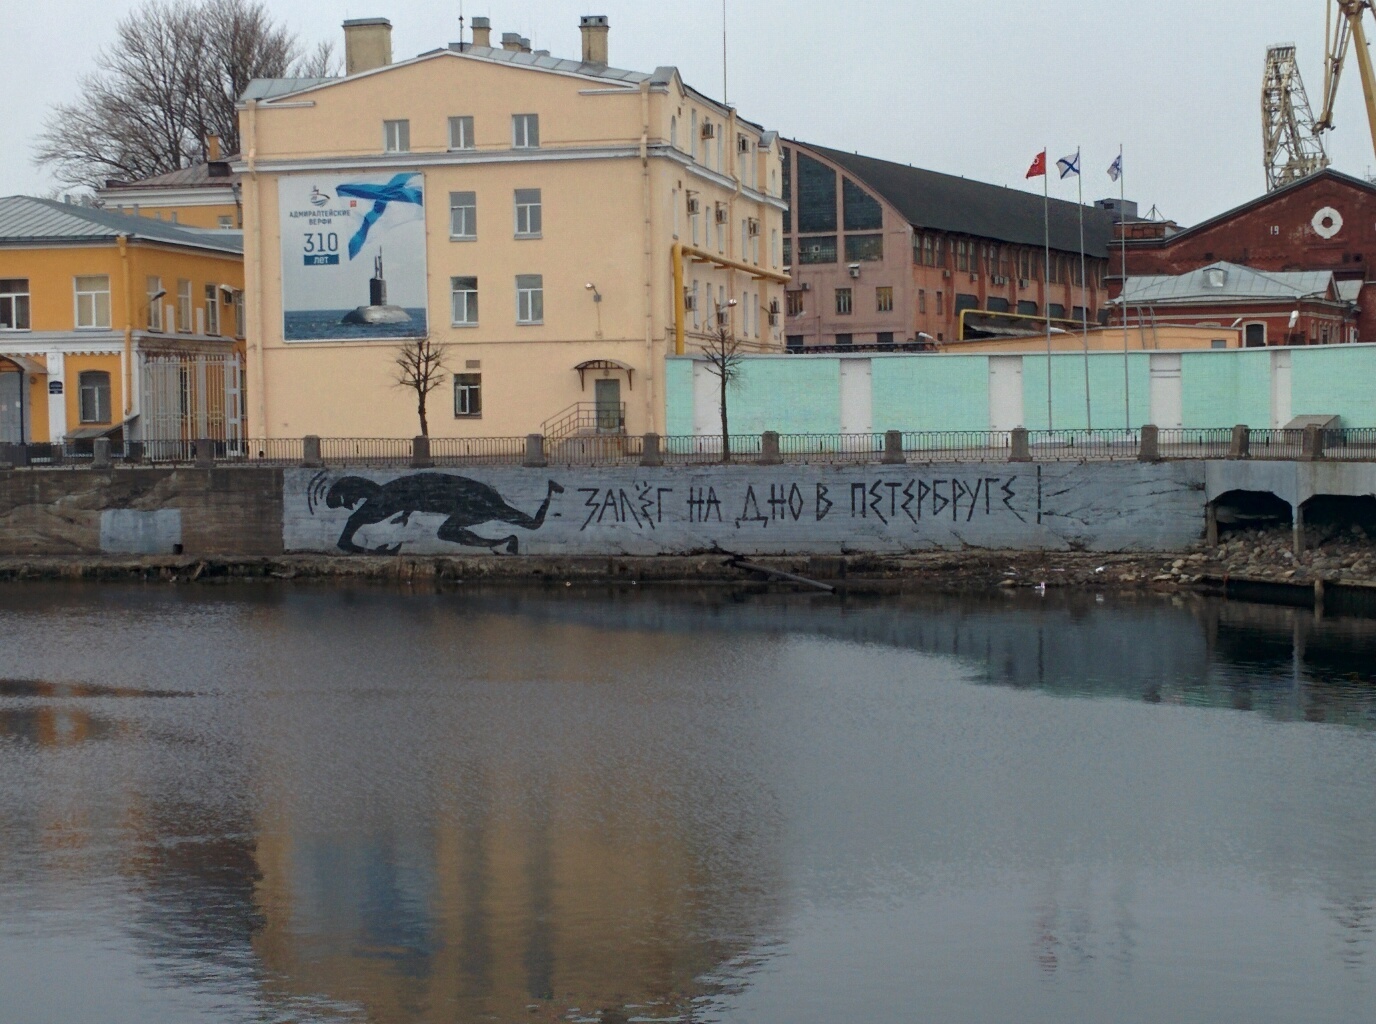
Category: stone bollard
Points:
column 769, row 449
column 1151, row 446
column 133, row 452
column 1241, row 445
column 57, row 453
column 650, row 452
column 420, row 452
column 100, row 453
column 310, row 452
column 1311, row 444
column 893, row 448
column 205, row 453
column 535, row 452
column 1021, row 450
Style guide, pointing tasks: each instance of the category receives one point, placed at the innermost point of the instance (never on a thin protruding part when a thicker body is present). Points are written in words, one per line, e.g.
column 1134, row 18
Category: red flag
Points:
column 1038, row 168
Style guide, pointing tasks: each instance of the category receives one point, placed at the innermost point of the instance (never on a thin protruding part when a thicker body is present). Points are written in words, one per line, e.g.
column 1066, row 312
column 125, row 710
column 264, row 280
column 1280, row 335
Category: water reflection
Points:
column 562, row 805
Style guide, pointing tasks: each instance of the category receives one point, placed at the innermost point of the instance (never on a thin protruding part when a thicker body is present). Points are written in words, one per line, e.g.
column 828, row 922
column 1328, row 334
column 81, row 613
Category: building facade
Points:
column 526, row 214
column 1325, row 223
column 883, row 253
column 112, row 325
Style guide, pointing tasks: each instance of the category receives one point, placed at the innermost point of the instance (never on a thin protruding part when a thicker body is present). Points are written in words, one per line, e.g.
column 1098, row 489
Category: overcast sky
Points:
column 968, row 88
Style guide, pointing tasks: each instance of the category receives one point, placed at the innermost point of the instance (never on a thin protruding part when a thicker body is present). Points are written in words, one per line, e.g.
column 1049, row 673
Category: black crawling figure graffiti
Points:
column 466, row 502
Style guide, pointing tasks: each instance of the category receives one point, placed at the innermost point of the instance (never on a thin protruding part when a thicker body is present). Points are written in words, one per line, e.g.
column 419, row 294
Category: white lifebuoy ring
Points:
column 1327, row 222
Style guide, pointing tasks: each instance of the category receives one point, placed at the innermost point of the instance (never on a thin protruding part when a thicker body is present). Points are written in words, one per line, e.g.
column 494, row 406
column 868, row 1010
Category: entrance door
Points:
column 11, row 408
column 608, row 395
column 1167, row 404
column 1005, row 392
column 857, row 407
column 1281, row 409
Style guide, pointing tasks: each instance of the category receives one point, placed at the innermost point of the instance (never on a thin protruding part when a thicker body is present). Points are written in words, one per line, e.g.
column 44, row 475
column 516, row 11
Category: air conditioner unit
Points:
column 690, row 301
column 709, row 130
column 774, row 306
column 723, row 318
column 854, row 269
column 722, row 213
column 804, row 286
column 1000, row 279
column 1023, row 283
column 694, row 206
column 743, row 144
column 974, row 275
column 753, row 227
column 773, row 318
column 946, row 274
column 226, row 294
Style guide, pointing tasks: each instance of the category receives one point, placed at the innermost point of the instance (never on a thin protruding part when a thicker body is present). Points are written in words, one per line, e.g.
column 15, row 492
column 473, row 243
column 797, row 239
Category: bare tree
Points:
column 170, row 78
column 722, row 351
column 420, row 367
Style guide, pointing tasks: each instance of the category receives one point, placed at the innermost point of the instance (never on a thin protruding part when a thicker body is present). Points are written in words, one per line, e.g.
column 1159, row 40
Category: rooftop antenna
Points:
column 461, row 46
column 723, row 54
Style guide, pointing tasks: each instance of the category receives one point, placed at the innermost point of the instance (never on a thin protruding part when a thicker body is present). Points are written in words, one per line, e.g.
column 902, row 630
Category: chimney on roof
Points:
column 212, row 148
column 482, row 31
column 367, row 44
column 515, row 42
column 594, row 28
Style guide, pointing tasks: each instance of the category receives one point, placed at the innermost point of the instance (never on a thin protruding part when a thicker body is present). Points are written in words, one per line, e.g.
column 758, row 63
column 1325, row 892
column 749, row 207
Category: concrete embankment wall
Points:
column 605, row 511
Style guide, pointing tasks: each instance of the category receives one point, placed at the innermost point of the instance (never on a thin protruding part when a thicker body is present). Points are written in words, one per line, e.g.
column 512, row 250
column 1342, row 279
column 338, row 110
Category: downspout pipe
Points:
column 651, row 374
column 128, row 360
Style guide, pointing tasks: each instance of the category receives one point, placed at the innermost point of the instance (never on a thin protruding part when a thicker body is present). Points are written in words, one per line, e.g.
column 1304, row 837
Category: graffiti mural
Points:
column 746, row 509
column 463, row 503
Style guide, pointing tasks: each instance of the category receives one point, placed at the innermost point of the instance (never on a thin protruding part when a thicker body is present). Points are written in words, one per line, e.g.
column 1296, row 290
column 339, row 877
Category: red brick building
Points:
column 1326, row 222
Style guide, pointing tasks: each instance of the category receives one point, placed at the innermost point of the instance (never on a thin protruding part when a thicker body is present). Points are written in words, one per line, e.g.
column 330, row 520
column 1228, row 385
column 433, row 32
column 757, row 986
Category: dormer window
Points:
column 1215, row 277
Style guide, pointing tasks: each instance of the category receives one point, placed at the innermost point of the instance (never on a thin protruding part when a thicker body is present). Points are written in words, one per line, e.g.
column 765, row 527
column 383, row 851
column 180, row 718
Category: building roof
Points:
column 1228, row 282
column 28, row 220
column 195, row 176
column 1261, row 200
column 946, row 202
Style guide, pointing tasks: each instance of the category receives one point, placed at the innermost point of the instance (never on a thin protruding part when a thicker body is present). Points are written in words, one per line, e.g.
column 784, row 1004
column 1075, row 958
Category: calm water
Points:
column 363, row 805
column 317, row 324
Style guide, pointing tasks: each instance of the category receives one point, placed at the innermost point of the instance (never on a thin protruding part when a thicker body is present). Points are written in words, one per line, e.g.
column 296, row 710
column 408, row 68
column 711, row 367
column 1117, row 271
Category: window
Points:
column 1026, row 307
column 922, row 300
column 1078, row 313
column 965, row 301
column 996, row 304
column 468, row 394
column 693, row 133
column 239, row 318
column 816, row 195
column 225, row 222
column 154, row 302
column 788, row 252
column 14, row 304
column 817, row 250
column 184, row 306
column 883, row 299
column 525, row 131
column 396, row 136
column 793, row 342
column 93, row 301
column 463, row 216
column 528, row 219
column 461, row 133
column 843, row 301
column 463, row 295
column 1056, row 311
column 1025, row 264
column 1218, row 343
column 697, row 306
column 212, row 309
column 966, row 258
column 864, row 248
column 786, row 191
column 530, row 299
column 94, row 386
column 845, row 339
column 774, row 247
column 795, row 303
column 940, row 304
column 862, row 210
column 673, row 131
column 884, row 337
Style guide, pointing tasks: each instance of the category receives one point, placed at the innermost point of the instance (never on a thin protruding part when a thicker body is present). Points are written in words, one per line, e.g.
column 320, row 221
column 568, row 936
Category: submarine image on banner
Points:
column 377, row 311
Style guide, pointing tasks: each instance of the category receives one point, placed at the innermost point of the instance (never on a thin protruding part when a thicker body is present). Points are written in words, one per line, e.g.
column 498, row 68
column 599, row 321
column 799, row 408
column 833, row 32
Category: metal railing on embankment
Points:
column 1146, row 444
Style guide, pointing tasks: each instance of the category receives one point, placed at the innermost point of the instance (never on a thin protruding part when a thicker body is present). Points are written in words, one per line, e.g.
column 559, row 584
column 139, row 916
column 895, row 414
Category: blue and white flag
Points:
column 1115, row 169
column 1069, row 165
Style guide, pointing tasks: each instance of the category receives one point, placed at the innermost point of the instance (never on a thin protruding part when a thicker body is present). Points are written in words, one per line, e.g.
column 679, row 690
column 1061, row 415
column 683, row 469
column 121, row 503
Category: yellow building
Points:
column 112, row 325
column 523, row 212
column 204, row 195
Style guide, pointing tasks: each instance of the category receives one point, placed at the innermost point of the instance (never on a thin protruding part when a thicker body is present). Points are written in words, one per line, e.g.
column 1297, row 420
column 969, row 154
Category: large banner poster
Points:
column 353, row 257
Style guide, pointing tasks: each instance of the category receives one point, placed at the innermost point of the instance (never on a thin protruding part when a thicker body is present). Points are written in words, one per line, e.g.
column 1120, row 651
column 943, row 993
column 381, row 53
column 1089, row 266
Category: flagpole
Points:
column 1084, row 288
column 1046, row 276
column 1123, row 290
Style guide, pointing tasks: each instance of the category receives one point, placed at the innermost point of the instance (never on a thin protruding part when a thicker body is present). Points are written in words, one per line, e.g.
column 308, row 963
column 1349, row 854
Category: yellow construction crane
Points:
column 1345, row 25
